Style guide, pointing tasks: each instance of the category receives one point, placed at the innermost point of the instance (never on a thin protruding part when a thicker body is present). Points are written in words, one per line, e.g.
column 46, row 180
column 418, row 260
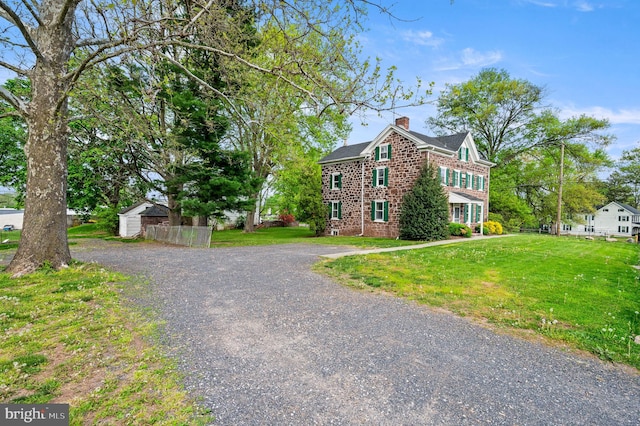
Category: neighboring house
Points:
column 132, row 220
column 614, row 219
column 363, row 184
column 11, row 217
column 16, row 218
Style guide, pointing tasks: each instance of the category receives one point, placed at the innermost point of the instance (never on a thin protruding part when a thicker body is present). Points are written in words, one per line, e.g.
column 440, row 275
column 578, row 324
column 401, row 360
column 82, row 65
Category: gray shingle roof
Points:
column 157, row 210
column 344, row 152
column 450, row 143
column 631, row 209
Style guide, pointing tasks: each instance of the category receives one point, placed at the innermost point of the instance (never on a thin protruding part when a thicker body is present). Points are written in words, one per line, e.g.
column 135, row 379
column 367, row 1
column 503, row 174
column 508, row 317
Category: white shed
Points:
column 130, row 219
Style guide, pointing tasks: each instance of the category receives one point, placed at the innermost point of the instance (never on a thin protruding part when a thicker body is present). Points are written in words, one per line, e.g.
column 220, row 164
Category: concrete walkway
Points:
column 413, row 247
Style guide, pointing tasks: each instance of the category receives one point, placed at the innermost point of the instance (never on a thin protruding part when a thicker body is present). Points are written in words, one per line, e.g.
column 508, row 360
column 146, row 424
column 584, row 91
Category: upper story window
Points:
column 463, row 153
column 469, row 181
column 381, row 176
column 479, row 183
column 383, row 152
column 620, row 210
column 336, row 181
column 623, row 218
column 605, row 210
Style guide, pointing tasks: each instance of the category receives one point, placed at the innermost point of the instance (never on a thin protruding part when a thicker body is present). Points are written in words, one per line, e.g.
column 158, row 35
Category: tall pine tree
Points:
column 424, row 214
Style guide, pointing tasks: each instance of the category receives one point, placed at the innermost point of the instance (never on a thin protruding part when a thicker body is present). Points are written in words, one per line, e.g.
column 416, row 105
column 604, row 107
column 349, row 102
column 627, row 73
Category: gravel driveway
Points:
column 265, row 341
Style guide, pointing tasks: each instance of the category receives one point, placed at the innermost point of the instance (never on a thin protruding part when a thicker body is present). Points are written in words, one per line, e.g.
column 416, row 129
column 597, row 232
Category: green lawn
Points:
column 583, row 293
column 69, row 337
column 269, row 236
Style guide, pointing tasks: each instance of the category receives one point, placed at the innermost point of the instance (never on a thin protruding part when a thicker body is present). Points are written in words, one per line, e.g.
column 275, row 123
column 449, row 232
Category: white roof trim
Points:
column 459, row 199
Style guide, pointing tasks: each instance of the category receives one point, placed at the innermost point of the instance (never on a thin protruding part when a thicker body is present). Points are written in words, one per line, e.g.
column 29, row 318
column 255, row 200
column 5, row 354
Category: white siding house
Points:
column 614, row 219
column 130, row 221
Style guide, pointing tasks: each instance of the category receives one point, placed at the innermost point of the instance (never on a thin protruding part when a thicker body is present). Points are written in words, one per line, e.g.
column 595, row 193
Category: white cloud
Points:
column 422, row 38
column 473, row 58
column 469, row 58
column 584, row 6
column 621, row 116
column 542, row 3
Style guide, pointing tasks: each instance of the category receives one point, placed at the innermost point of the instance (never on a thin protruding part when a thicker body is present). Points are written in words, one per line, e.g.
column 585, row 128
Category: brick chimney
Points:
column 403, row 122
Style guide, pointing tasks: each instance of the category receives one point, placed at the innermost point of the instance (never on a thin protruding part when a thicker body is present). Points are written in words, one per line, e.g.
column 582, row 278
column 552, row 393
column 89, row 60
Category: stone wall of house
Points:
column 404, row 167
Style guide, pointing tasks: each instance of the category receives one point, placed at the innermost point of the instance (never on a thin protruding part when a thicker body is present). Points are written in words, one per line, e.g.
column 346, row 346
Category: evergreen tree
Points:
column 424, row 213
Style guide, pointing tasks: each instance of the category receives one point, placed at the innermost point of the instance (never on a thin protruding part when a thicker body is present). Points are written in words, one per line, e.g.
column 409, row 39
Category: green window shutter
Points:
column 386, row 211
column 340, row 181
column 466, row 154
column 460, row 154
column 446, row 172
column 386, row 176
column 339, row 209
column 466, row 213
column 482, row 183
column 330, row 209
column 373, row 210
column 389, row 151
column 375, row 178
column 377, row 153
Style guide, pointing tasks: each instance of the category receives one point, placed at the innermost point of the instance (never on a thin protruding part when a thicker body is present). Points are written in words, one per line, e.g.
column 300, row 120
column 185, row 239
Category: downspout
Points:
column 362, row 201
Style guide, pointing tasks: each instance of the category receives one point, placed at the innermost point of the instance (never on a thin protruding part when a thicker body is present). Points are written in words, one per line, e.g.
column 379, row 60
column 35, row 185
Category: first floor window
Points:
column 380, row 211
column 623, row 229
column 566, row 227
column 589, row 228
column 335, row 210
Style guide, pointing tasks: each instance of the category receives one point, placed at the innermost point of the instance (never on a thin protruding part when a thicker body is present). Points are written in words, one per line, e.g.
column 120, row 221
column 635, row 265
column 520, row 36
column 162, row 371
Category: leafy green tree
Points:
column 618, row 188
column 513, row 128
column 424, row 213
column 53, row 43
column 629, row 167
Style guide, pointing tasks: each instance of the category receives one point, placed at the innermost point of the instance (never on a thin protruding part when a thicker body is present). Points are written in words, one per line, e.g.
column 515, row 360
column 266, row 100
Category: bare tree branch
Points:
column 13, row 68
column 10, row 15
column 30, row 7
column 13, row 100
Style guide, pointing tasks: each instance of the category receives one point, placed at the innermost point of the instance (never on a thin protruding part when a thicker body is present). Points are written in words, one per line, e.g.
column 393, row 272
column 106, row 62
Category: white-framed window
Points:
column 335, row 210
column 566, row 227
column 605, row 210
column 383, row 152
column 479, row 183
column 623, row 218
column 463, row 153
column 457, row 178
column 444, row 176
column 623, row 229
column 620, row 210
column 380, row 211
column 381, row 176
column 589, row 228
column 336, row 180
column 468, row 182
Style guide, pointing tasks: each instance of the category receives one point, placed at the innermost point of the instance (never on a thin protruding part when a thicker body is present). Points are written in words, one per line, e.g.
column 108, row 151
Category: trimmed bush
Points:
column 459, row 230
column 424, row 212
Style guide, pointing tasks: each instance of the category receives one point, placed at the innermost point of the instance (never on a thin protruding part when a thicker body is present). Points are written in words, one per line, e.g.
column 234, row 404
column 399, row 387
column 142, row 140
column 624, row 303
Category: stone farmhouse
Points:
column 363, row 184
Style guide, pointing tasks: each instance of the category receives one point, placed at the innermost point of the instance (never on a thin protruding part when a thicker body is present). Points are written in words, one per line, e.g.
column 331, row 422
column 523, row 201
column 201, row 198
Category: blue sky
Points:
column 585, row 52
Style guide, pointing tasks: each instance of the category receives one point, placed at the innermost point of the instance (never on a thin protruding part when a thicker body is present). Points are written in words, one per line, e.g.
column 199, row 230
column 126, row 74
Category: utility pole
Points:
column 559, row 217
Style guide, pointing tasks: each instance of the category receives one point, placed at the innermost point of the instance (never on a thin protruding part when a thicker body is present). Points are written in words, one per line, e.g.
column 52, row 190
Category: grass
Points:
column 270, row 236
column 68, row 337
column 87, row 230
column 585, row 294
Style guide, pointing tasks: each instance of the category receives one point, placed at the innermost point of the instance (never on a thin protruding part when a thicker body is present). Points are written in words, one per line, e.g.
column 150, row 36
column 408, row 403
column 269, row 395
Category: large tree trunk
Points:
column 175, row 211
column 44, row 234
column 248, row 224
